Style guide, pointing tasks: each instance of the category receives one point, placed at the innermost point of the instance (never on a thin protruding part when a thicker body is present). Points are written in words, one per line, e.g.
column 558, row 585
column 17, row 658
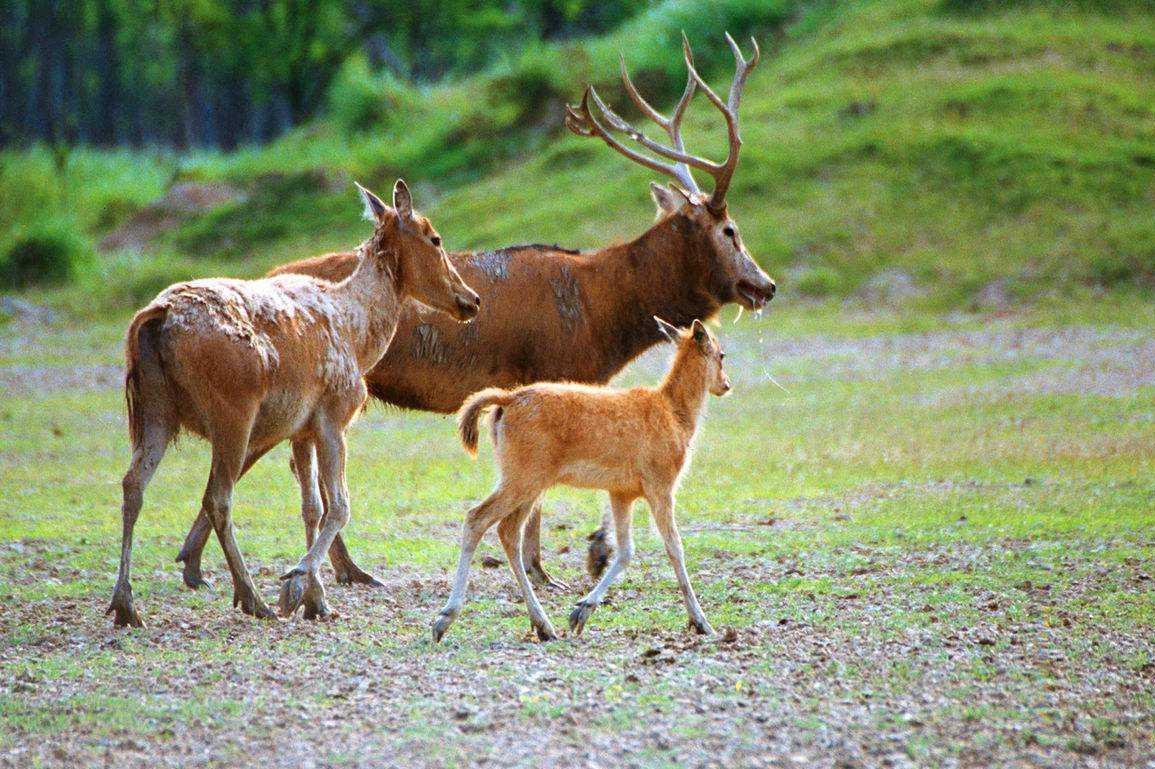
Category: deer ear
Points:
column 668, row 330
column 375, row 207
column 699, row 332
column 402, row 200
column 670, row 200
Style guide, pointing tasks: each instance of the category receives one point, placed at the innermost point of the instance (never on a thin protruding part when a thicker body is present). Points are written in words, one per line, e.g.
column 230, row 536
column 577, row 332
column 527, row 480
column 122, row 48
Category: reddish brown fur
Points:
column 631, row 443
column 670, row 271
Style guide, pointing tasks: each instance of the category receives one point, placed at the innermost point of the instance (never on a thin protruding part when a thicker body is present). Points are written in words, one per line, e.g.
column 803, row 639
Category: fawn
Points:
column 632, row 443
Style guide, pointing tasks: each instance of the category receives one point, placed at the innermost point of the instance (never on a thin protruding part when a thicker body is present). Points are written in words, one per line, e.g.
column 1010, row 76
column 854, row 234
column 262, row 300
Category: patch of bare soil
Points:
column 1074, row 360
column 1009, row 676
column 37, row 380
column 181, row 201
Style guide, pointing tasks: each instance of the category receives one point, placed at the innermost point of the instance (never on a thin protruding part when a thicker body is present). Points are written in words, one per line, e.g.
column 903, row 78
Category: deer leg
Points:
column 531, row 553
column 198, row 535
column 145, row 459
column 190, row 552
column 662, row 506
column 620, row 507
column 230, row 438
column 301, row 586
column 599, row 551
column 304, row 469
column 313, row 505
column 509, row 531
column 477, row 522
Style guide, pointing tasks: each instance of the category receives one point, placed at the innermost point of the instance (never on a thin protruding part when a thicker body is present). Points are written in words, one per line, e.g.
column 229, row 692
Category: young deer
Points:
column 248, row 364
column 631, row 443
column 544, row 302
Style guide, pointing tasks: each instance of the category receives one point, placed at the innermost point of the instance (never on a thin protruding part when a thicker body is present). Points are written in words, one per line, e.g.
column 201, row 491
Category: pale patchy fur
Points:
column 248, row 364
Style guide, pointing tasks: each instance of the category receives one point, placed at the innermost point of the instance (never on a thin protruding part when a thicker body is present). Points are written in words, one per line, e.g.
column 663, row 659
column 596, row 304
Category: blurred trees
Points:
column 218, row 73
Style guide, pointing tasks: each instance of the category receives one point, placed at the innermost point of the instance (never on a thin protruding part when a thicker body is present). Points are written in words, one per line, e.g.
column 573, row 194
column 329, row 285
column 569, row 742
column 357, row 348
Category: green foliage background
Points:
column 947, row 154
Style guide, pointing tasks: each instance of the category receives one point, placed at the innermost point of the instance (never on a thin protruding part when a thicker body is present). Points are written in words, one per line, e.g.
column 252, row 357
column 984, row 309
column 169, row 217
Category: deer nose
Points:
column 469, row 304
column 772, row 290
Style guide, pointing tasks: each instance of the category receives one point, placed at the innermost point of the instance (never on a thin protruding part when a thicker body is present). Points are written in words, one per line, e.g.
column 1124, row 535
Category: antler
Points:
column 582, row 121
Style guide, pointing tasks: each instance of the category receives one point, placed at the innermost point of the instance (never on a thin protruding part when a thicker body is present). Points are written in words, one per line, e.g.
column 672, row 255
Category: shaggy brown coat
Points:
column 248, row 364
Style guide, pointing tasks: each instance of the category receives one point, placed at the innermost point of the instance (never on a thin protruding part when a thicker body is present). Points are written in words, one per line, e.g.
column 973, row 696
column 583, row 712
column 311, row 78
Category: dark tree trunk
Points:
column 188, row 75
column 108, row 75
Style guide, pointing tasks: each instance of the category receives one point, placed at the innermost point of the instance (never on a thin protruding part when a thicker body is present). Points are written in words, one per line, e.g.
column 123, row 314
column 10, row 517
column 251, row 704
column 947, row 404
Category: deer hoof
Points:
column 124, row 613
column 355, row 576
column 580, row 614
column 195, row 580
column 598, row 554
column 441, row 624
column 701, row 627
column 545, row 633
column 316, row 607
column 191, row 573
column 251, row 604
column 540, row 578
column 293, row 586
column 303, row 588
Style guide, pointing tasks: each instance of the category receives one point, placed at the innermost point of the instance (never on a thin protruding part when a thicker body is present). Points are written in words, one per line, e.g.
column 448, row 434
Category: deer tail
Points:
column 470, row 413
column 137, row 359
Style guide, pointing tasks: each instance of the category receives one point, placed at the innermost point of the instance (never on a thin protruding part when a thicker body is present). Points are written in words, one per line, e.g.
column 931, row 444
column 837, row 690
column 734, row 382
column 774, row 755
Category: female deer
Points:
column 248, row 364
column 632, row 443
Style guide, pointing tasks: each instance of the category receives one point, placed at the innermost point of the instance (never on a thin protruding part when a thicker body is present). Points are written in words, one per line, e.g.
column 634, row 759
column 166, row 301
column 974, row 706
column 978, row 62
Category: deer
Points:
column 247, row 364
column 630, row 443
column 554, row 313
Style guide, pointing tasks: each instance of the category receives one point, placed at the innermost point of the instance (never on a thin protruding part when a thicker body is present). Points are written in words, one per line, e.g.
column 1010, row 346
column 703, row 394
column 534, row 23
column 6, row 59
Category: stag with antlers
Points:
column 554, row 314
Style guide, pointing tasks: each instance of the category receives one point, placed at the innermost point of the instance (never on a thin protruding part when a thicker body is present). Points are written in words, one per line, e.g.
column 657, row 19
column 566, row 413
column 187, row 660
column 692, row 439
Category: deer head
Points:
column 698, row 341
column 405, row 243
column 735, row 275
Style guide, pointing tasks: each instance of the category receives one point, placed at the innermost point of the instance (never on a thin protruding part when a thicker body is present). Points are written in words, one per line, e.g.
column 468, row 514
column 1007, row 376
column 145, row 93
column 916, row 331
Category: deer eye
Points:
column 728, row 231
column 435, row 240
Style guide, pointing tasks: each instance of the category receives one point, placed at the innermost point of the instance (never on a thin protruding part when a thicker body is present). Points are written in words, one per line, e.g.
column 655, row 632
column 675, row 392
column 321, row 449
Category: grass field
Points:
column 935, row 549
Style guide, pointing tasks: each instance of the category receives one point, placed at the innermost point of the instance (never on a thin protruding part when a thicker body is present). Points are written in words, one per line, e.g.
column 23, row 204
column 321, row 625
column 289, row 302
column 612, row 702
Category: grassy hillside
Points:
column 945, row 153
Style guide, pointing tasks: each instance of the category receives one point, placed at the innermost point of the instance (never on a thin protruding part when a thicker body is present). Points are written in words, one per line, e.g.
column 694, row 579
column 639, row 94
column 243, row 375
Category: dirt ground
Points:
column 850, row 689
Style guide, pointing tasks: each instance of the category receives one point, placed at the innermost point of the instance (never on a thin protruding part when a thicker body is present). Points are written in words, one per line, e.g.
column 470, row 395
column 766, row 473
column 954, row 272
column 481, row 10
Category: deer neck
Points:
column 659, row 274
column 684, row 388
column 370, row 308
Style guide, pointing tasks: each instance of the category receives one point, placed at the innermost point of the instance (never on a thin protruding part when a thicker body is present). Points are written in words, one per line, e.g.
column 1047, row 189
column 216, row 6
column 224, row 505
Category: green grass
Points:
column 991, row 155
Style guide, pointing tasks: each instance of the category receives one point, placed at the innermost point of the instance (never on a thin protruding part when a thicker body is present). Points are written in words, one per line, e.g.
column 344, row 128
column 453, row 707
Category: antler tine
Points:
column 675, row 127
column 743, row 68
column 724, row 171
column 632, row 90
column 582, row 122
column 672, row 125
